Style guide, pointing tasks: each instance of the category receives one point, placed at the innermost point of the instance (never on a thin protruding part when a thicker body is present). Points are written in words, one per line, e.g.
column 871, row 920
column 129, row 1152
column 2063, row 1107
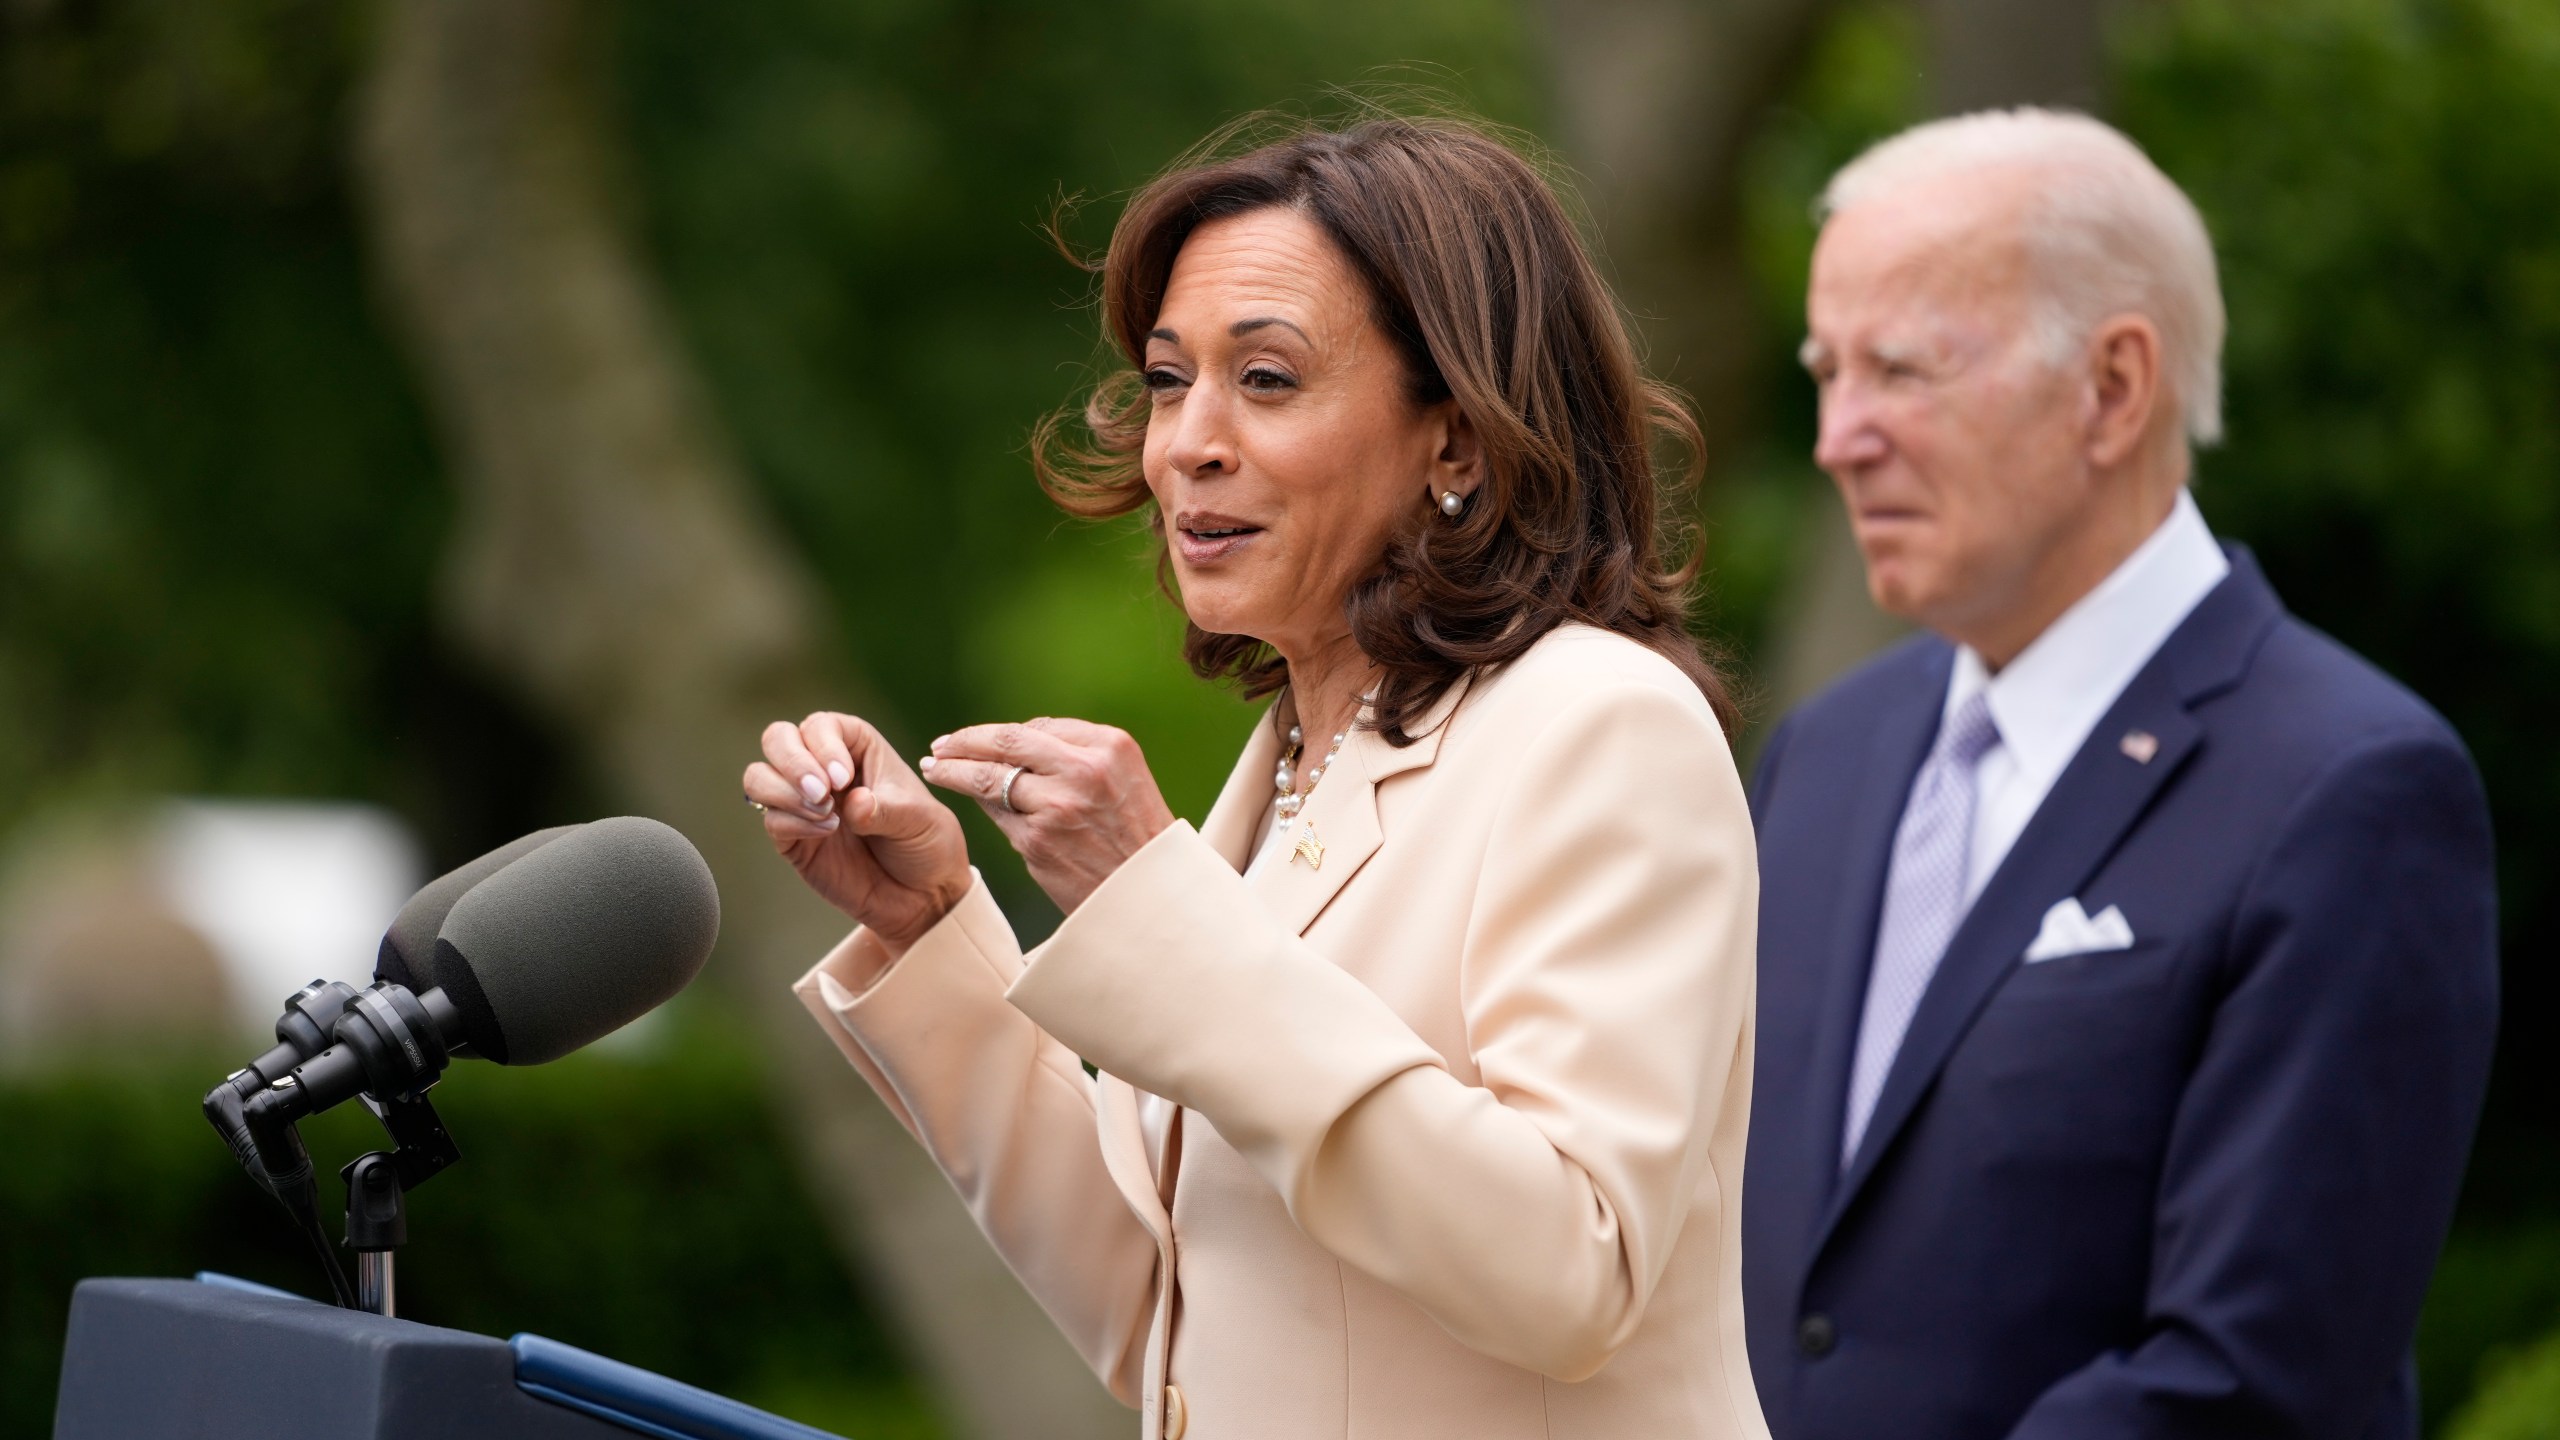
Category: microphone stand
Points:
column 378, row 1183
column 388, row 1048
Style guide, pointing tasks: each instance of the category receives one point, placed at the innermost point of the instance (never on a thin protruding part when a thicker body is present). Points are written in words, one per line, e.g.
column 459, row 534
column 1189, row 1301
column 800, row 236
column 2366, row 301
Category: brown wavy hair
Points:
column 1480, row 280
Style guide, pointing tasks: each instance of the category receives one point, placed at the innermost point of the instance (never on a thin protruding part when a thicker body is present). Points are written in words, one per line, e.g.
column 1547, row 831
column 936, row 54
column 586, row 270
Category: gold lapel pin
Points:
column 2139, row 745
column 1308, row 848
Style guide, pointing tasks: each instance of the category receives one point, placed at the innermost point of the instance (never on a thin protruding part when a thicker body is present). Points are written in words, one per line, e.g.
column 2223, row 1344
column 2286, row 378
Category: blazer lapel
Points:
column 2099, row 798
column 1344, row 814
column 1338, row 830
column 1238, row 812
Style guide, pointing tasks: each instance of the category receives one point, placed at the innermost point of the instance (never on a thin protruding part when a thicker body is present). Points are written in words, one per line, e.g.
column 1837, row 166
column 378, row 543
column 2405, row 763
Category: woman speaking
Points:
column 1425, row 1061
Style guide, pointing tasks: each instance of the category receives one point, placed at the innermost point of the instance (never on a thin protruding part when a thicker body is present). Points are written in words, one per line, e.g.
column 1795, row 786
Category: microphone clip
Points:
column 378, row 1183
column 386, row 1046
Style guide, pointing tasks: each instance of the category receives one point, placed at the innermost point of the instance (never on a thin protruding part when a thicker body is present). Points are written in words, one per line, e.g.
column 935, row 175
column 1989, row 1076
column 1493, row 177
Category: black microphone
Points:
column 311, row 1015
column 567, row 942
column 310, row 1019
column 538, row 948
column 412, row 936
column 571, row 940
column 302, row 1031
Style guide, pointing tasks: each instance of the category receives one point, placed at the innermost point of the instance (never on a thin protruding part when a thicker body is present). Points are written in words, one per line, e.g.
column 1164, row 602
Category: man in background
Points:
column 2128, row 970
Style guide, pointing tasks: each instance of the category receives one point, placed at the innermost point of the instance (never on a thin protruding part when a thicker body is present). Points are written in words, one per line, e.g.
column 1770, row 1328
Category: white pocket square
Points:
column 2070, row 930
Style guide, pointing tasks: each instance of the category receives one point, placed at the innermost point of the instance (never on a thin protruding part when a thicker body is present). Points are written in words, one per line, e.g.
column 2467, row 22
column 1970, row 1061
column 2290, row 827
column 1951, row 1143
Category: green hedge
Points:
column 2518, row 1400
column 2496, row 1289
column 646, row 1209
column 641, row 1208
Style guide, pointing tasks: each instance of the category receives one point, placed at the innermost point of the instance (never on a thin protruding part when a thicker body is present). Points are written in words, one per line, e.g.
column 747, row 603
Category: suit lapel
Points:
column 1881, row 787
column 2098, row 800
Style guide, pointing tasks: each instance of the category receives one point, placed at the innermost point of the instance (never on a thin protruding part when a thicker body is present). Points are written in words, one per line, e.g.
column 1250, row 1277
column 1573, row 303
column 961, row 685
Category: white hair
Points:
column 2106, row 234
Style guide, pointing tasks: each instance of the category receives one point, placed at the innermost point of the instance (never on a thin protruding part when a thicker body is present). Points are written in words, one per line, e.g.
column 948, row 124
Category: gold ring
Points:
column 752, row 803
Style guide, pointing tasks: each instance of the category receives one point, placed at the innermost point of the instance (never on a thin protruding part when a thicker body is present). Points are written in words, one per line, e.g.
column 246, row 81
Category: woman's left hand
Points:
column 1081, row 798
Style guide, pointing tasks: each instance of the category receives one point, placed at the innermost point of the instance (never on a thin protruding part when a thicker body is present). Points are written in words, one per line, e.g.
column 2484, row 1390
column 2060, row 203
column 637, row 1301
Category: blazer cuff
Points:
column 972, row 949
column 1173, row 977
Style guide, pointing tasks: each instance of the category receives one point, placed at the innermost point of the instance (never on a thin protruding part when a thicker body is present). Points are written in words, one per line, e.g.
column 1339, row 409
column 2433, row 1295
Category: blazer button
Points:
column 1816, row 1335
column 1177, row 1416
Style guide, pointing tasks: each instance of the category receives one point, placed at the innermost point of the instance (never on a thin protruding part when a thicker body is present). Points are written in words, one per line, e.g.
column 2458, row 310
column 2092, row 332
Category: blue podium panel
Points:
column 176, row 1360
column 643, row 1400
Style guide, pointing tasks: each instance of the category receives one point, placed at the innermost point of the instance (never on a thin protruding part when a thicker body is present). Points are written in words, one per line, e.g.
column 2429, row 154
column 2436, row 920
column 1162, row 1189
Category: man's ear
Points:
column 1458, row 462
column 2124, row 388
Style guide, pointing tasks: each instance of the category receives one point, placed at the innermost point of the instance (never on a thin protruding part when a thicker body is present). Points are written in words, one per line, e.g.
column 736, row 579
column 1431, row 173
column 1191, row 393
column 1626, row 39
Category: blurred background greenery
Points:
column 229, row 502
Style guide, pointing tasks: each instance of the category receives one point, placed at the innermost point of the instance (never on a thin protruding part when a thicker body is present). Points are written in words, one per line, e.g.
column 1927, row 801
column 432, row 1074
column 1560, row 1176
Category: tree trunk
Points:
column 1657, row 101
column 1986, row 53
column 611, row 564
column 1982, row 54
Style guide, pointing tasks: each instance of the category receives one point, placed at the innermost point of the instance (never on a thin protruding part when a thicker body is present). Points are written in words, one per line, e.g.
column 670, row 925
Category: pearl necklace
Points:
column 1290, row 799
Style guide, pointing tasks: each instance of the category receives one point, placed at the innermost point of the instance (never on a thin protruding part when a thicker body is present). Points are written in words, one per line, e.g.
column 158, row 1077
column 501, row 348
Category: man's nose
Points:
column 1848, row 436
column 1204, row 441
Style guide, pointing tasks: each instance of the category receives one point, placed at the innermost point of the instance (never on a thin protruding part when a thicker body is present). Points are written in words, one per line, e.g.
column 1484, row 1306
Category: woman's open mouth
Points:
column 1200, row 539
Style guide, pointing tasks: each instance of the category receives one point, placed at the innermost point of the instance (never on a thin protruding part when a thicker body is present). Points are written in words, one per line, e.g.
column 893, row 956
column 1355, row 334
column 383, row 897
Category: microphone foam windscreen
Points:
column 408, row 947
column 577, row 939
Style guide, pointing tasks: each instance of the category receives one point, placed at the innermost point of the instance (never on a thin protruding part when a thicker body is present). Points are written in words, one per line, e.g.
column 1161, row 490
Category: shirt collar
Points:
column 2048, row 699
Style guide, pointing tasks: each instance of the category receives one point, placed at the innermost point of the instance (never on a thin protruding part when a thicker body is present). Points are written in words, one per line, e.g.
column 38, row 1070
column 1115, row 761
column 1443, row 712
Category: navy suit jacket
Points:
column 2194, row 1188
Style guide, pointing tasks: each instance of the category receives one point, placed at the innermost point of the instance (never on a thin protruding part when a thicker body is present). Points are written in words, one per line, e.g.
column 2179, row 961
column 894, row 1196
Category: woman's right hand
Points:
column 860, row 826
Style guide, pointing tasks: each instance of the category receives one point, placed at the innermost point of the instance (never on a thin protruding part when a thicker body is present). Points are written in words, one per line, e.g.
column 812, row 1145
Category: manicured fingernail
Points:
column 814, row 788
column 925, row 764
column 830, row 823
column 837, row 772
column 940, row 740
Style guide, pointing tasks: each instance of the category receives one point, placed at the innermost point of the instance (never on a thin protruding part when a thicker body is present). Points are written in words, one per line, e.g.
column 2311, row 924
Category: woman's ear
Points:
column 1457, row 462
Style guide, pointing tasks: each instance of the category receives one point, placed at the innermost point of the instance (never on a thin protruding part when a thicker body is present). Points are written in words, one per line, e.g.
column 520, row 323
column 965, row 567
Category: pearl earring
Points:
column 1451, row 503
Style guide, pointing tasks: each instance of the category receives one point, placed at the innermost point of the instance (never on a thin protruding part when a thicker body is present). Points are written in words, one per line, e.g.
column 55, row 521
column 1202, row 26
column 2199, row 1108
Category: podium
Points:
column 189, row 1360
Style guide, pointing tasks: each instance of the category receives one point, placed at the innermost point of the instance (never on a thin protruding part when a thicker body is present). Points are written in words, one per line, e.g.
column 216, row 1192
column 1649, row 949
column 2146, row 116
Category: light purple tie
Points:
column 1924, row 899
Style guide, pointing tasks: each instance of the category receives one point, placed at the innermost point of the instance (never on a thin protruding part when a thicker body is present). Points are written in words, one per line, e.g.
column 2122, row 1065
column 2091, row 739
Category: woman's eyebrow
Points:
column 1242, row 328
column 1161, row 333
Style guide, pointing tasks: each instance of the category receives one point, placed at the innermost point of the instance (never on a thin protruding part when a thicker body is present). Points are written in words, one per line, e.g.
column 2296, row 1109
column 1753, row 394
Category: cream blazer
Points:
column 1462, row 1080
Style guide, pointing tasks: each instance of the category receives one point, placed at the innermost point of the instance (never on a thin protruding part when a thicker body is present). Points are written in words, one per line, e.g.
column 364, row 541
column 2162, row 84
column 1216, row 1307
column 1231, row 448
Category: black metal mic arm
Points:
column 390, row 1046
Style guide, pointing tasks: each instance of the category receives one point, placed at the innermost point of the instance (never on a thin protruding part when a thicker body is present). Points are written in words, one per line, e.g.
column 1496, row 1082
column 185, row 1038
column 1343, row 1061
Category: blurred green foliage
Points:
column 2519, row 1399
column 641, row 1207
column 1862, row 83
column 2496, row 1292
column 223, row 505
column 219, row 507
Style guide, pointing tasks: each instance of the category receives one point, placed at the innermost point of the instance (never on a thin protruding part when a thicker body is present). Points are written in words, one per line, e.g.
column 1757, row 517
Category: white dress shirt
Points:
column 2048, row 699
